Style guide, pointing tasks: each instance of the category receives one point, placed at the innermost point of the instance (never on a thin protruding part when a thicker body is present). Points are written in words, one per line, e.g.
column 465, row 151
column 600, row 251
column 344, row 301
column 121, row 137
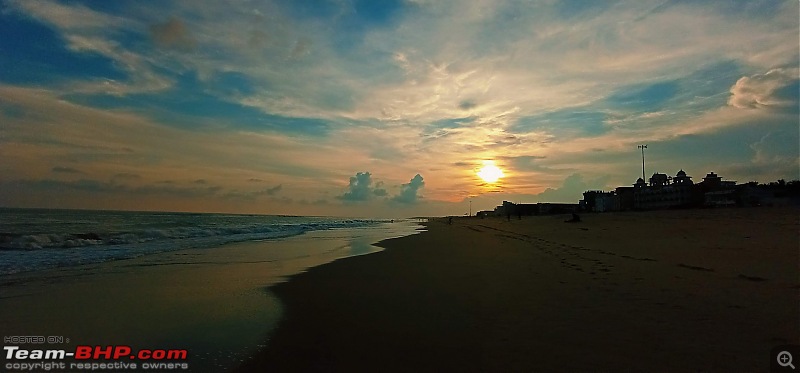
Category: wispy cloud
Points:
column 274, row 190
column 66, row 170
column 777, row 87
column 274, row 92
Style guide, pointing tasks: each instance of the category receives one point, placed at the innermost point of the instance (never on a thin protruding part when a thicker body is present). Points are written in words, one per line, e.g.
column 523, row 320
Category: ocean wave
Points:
column 254, row 231
column 37, row 251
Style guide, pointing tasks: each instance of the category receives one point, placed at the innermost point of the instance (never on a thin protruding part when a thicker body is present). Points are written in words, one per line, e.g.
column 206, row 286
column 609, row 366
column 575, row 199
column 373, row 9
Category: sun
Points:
column 489, row 172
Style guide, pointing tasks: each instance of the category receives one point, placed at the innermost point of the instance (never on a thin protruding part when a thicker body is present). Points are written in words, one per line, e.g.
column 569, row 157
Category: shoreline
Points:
column 661, row 290
column 214, row 302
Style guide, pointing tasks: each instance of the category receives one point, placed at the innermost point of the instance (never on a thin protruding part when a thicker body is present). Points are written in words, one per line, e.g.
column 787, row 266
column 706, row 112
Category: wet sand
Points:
column 213, row 302
column 686, row 290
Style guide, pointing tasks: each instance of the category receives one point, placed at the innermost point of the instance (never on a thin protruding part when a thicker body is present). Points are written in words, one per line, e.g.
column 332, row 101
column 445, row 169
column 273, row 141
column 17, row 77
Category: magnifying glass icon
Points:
column 785, row 359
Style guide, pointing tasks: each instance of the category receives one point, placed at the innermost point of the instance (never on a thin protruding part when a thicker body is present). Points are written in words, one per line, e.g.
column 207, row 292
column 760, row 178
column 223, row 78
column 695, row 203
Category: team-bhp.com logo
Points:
column 94, row 358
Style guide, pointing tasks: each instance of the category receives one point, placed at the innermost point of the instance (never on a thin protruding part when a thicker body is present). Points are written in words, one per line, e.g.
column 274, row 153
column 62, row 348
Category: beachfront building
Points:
column 528, row 209
column 661, row 191
column 659, row 180
column 485, row 213
column 713, row 182
column 665, row 192
column 545, row 208
column 624, row 195
column 720, row 198
column 682, row 179
column 600, row 201
column 718, row 192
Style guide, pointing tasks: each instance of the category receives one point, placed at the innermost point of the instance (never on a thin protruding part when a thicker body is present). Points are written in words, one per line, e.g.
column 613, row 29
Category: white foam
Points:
column 29, row 252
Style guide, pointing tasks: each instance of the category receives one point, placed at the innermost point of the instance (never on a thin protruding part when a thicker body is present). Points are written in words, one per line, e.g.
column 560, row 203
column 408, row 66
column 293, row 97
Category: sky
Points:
column 386, row 108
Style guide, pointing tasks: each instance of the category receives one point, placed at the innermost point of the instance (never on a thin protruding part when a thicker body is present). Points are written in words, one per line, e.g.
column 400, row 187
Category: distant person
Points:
column 450, row 220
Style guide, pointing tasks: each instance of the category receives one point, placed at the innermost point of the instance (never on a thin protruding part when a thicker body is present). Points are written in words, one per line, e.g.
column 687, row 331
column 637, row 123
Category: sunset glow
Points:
column 363, row 108
column 490, row 173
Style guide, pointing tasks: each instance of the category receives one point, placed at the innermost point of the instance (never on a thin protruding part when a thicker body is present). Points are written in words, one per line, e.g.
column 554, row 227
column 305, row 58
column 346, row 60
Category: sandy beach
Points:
column 213, row 302
column 683, row 290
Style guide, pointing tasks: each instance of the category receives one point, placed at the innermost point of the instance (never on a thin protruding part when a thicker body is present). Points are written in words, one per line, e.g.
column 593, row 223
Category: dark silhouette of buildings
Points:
column 529, row 209
column 664, row 192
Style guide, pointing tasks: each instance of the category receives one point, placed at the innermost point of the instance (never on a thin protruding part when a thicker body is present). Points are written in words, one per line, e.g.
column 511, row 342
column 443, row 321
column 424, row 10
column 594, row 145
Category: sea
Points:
column 38, row 239
column 196, row 281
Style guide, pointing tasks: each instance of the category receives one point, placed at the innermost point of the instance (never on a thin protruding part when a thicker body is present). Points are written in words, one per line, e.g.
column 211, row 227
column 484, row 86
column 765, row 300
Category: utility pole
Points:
column 470, row 207
column 643, row 147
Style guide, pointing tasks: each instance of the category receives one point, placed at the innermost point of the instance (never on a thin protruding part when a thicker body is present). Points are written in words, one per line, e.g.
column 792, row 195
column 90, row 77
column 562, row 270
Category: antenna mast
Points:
column 643, row 147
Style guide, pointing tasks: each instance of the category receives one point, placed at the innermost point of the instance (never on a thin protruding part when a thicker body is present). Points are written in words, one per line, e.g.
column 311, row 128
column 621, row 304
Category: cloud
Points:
column 565, row 123
column 92, row 32
column 127, row 176
column 526, row 162
column 173, row 34
column 271, row 193
column 408, row 192
column 274, row 190
column 435, row 88
column 763, row 90
column 775, row 155
column 95, row 186
column 301, row 48
column 66, row 170
column 86, row 185
column 571, row 191
column 467, row 104
column 253, row 195
column 123, row 177
column 379, row 191
column 777, row 150
column 644, row 97
column 68, row 17
column 360, row 188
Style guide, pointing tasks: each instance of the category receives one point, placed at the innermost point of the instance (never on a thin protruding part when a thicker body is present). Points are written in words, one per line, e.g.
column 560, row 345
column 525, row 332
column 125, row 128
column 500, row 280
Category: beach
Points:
column 213, row 302
column 678, row 290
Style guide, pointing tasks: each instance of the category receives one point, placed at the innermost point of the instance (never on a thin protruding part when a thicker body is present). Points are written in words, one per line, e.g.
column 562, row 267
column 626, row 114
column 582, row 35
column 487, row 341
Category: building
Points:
column 485, row 213
column 528, row 209
column 713, row 183
column 625, row 197
column 600, row 201
column 666, row 192
column 545, row 208
column 682, row 179
column 720, row 198
column 662, row 191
